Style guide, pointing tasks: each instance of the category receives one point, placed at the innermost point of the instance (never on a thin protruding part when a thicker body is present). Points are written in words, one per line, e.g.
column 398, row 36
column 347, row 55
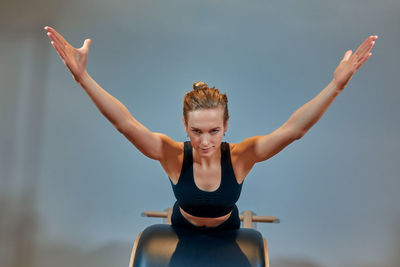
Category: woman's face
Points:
column 206, row 128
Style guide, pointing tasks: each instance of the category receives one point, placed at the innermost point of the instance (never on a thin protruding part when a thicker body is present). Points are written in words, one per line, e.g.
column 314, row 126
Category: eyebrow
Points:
column 216, row 128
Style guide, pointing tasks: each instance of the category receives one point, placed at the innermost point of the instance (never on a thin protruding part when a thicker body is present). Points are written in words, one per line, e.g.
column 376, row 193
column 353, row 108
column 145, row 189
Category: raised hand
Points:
column 352, row 62
column 74, row 58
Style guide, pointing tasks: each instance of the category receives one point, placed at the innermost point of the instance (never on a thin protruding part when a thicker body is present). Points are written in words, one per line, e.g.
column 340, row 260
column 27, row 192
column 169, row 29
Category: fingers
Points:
column 363, row 61
column 55, row 40
column 362, row 58
column 365, row 54
column 57, row 43
column 364, row 51
column 347, row 55
column 57, row 35
column 86, row 44
column 58, row 47
column 59, row 50
column 366, row 46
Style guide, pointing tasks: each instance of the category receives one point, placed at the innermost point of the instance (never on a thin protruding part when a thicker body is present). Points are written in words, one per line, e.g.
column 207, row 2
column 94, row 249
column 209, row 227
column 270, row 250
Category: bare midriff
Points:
column 204, row 221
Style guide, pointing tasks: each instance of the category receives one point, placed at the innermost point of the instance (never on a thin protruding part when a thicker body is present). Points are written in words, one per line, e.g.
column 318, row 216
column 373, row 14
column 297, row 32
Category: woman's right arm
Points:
column 153, row 145
column 149, row 143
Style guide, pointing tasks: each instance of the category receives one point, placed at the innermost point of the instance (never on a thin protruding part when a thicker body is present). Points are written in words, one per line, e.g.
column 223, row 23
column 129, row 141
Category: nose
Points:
column 204, row 141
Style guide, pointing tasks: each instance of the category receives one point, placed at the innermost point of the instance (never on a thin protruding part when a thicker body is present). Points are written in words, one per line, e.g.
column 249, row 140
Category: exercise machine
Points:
column 162, row 245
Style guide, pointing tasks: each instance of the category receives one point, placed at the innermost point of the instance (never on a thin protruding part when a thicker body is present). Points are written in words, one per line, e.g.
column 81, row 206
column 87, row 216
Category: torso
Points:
column 204, row 182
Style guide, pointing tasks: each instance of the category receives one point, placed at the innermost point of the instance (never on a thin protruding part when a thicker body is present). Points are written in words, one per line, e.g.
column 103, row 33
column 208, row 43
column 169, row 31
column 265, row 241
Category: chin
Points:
column 207, row 152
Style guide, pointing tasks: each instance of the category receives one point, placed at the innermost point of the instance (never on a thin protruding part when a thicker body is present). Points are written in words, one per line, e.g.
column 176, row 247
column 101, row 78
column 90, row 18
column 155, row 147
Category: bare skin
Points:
column 206, row 127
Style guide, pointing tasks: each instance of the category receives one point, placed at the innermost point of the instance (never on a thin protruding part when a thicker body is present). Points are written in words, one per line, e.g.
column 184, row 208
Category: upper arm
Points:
column 156, row 146
column 259, row 148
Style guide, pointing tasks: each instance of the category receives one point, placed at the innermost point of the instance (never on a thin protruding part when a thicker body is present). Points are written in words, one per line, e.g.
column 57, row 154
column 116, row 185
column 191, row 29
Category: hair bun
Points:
column 199, row 86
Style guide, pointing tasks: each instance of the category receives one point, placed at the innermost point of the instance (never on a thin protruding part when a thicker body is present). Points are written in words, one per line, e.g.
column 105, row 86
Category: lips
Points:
column 205, row 149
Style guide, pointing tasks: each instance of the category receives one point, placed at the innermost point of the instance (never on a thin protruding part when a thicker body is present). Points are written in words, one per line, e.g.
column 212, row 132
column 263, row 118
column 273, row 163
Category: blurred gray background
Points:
column 72, row 187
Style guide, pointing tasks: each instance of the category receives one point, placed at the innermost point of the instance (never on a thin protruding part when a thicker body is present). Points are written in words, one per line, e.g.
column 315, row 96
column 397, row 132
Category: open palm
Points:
column 352, row 62
column 74, row 58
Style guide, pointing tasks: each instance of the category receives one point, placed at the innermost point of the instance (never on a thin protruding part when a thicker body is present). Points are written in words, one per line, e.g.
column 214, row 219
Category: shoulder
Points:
column 234, row 150
column 243, row 153
column 241, row 163
column 170, row 148
column 172, row 160
column 240, row 148
column 231, row 146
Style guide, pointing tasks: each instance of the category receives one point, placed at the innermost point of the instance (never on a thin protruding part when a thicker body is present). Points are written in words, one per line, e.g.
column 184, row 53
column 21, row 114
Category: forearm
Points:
column 306, row 116
column 108, row 105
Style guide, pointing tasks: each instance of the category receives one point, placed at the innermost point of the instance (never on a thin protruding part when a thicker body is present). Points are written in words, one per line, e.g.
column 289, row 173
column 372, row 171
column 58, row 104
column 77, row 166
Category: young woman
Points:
column 206, row 174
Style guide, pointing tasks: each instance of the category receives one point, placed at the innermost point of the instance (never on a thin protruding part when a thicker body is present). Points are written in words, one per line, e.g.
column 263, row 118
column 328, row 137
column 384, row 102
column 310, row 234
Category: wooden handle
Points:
column 267, row 219
column 157, row 214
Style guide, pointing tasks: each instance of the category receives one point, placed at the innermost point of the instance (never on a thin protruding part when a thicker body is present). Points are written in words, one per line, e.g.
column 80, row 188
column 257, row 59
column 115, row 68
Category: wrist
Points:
column 82, row 78
column 338, row 87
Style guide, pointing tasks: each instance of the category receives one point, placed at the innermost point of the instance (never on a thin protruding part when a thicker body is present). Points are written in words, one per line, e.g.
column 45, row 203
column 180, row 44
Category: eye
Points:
column 214, row 131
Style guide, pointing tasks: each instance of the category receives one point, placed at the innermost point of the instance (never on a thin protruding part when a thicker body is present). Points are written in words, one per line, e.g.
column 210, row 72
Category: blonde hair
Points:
column 203, row 97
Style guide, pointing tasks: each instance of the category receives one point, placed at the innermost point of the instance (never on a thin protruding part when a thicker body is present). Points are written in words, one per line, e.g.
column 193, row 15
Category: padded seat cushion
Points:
column 166, row 245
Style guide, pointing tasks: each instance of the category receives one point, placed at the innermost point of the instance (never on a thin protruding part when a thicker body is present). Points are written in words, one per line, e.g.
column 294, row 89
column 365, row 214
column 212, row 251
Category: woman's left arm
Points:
column 260, row 148
column 306, row 116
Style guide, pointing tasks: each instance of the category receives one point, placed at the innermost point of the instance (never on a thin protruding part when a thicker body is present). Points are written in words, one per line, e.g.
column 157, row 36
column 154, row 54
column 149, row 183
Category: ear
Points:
column 226, row 125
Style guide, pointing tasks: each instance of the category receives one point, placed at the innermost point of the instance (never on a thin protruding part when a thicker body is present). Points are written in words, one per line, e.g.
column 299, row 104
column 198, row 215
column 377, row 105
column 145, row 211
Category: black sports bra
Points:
column 202, row 203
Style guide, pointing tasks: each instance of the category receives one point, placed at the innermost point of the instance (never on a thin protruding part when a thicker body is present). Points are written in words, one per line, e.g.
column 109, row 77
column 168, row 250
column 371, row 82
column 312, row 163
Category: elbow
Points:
column 297, row 134
column 293, row 132
column 300, row 135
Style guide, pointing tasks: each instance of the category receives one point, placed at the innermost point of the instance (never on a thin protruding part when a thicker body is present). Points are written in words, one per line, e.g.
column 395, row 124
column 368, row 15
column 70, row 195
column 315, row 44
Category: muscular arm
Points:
column 260, row 148
column 306, row 116
column 149, row 143
column 108, row 105
column 153, row 145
